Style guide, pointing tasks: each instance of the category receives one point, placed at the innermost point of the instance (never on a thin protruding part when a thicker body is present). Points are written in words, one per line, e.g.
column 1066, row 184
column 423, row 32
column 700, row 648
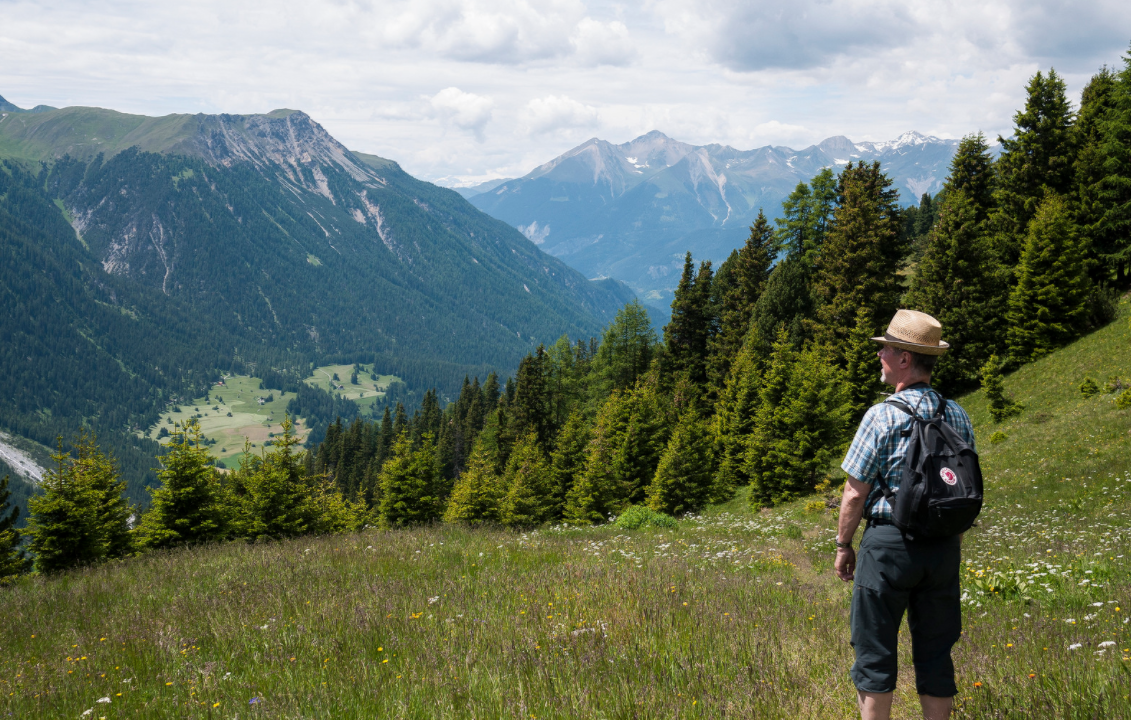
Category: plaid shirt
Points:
column 878, row 447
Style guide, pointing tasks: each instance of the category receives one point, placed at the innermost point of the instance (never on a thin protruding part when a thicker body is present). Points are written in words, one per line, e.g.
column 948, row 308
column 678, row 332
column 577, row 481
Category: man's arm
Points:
column 851, row 511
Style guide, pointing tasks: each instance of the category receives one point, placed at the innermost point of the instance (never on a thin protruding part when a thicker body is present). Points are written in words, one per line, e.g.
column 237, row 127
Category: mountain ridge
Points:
column 631, row 210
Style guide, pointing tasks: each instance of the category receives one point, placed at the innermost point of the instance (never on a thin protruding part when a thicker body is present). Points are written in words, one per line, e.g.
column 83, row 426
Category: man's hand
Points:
column 845, row 564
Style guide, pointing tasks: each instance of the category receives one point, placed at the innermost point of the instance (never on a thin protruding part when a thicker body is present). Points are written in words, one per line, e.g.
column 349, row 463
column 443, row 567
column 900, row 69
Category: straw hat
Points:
column 914, row 331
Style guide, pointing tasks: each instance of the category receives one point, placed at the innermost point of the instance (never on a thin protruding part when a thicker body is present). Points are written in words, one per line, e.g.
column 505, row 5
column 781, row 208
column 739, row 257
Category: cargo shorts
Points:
column 893, row 576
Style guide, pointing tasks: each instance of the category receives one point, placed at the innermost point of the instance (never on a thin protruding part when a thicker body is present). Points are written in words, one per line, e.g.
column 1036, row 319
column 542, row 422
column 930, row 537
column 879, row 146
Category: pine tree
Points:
column 274, row 495
column 1036, row 160
column 800, row 425
column 528, row 484
column 958, row 283
column 858, row 263
column 188, row 508
column 567, row 463
column 682, row 482
column 13, row 560
column 692, row 323
column 747, row 274
column 477, row 493
column 1048, row 306
column 993, row 385
column 82, row 517
column 409, row 483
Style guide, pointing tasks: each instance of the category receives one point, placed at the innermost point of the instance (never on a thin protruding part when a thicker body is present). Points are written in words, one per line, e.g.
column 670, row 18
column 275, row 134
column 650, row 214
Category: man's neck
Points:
column 908, row 382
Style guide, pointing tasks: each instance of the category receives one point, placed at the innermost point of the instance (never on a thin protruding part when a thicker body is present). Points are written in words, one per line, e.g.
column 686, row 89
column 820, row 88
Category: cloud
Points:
column 488, row 31
column 768, row 34
column 465, row 110
column 557, row 113
column 599, row 43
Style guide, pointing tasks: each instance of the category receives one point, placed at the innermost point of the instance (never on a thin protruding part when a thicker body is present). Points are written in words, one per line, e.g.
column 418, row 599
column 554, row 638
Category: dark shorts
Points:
column 893, row 575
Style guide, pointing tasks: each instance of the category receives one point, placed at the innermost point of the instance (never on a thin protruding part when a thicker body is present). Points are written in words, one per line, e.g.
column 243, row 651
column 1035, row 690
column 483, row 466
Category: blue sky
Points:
column 461, row 90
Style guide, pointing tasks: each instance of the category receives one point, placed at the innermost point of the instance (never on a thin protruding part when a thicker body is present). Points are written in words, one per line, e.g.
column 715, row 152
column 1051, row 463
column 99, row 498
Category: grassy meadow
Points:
column 364, row 392
column 230, row 413
column 730, row 614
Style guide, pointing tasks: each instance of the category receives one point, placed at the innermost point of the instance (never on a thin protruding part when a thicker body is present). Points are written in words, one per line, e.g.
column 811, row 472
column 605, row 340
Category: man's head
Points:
column 911, row 346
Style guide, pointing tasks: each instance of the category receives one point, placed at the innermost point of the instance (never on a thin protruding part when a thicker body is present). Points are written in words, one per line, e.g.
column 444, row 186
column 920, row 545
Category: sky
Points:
column 460, row 91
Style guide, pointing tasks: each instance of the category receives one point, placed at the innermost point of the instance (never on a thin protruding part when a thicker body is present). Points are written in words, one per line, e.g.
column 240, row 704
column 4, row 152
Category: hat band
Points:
column 891, row 338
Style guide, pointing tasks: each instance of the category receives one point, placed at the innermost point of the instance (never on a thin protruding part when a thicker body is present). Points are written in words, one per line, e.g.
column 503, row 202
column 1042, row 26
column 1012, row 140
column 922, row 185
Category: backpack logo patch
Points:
column 948, row 476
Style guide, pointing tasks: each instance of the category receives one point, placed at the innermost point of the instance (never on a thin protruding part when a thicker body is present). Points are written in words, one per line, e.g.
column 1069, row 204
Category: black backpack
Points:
column 940, row 494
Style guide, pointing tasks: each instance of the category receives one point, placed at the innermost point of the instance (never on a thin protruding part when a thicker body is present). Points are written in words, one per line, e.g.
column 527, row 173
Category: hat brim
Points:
column 939, row 349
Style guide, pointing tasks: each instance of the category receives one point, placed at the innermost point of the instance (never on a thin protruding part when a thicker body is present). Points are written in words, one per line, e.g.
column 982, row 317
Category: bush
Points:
column 1123, row 400
column 1088, row 388
column 1116, row 384
column 998, row 437
column 815, row 506
column 637, row 516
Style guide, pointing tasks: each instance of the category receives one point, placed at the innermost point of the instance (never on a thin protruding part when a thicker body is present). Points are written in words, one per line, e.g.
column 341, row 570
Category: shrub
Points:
column 1123, row 401
column 1115, row 384
column 1001, row 407
column 637, row 516
column 1088, row 388
column 998, row 437
column 815, row 506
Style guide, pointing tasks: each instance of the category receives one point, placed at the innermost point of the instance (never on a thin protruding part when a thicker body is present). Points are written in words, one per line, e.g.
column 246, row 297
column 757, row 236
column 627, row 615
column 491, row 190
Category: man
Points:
column 894, row 574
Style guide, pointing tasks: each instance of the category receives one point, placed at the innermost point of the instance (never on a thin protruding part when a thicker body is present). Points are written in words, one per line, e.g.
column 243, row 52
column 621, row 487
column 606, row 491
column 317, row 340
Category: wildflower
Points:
column 977, row 684
column 1075, row 646
column 1106, row 643
column 254, row 701
column 1032, row 675
column 103, row 699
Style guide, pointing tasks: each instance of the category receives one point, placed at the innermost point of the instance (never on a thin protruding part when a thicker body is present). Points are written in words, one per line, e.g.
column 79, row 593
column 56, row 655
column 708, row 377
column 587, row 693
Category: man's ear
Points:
column 904, row 359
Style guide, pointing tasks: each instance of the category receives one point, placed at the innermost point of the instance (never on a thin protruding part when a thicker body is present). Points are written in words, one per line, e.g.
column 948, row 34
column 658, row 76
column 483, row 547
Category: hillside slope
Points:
column 724, row 614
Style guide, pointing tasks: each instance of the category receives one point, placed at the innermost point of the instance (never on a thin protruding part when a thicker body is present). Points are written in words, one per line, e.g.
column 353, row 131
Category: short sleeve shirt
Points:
column 879, row 448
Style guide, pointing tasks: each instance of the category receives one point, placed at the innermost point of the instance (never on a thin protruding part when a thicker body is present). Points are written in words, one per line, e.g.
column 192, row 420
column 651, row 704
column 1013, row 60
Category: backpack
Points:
column 940, row 494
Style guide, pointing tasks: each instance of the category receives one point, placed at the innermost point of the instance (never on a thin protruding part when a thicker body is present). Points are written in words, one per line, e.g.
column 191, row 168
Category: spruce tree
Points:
column 862, row 367
column 787, row 300
column 630, row 433
column 861, row 255
column 567, row 462
column 958, row 283
column 691, row 327
column 807, row 216
column 733, row 420
column 1037, row 159
column 800, row 425
column 188, row 508
column 273, row 491
column 972, row 173
column 1048, row 305
column 478, row 492
column 13, row 560
column 682, row 482
column 82, row 516
column 528, row 483
column 747, row 275
column 1103, row 175
column 409, row 483
column 530, row 410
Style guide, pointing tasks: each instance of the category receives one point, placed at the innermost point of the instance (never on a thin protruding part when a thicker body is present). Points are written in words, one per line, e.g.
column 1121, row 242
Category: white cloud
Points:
column 599, row 43
column 465, row 110
column 556, row 113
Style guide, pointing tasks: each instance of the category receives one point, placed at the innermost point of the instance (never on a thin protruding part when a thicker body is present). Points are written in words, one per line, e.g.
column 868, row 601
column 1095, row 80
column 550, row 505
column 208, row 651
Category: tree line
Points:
column 761, row 376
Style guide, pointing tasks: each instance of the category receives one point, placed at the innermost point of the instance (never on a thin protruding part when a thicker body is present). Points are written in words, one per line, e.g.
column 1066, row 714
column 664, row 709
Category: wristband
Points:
column 847, row 545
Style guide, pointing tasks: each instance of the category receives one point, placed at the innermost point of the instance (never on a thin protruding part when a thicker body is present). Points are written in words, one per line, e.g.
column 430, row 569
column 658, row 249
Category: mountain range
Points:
column 141, row 256
column 631, row 211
